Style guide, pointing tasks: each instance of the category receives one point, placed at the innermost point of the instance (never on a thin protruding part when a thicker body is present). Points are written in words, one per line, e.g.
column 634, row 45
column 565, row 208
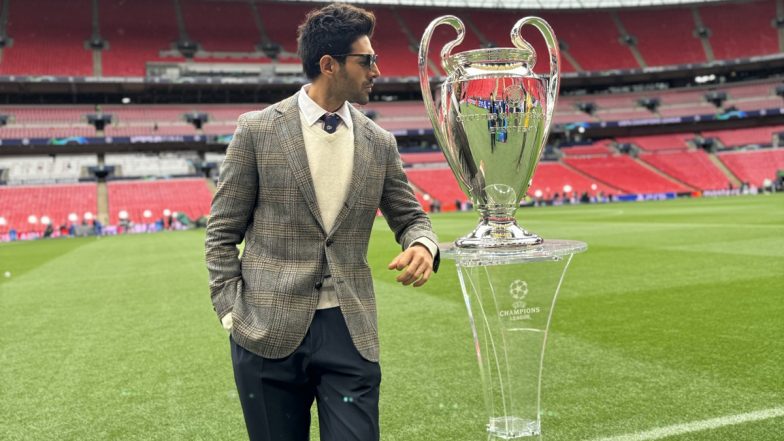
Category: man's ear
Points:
column 327, row 65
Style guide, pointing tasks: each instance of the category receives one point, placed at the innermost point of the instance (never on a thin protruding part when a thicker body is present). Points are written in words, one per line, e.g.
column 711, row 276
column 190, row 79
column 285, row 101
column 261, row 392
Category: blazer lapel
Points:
column 363, row 154
column 289, row 130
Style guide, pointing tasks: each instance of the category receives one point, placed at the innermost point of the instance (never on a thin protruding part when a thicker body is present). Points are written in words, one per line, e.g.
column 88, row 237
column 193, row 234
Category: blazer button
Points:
column 319, row 285
column 330, row 241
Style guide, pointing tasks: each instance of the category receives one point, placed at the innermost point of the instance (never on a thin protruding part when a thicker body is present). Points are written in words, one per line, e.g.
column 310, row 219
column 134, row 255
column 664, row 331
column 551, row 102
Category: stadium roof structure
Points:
column 526, row 4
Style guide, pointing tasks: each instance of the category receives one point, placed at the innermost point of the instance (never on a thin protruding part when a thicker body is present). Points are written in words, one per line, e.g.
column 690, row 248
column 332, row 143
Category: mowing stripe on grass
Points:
column 697, row 426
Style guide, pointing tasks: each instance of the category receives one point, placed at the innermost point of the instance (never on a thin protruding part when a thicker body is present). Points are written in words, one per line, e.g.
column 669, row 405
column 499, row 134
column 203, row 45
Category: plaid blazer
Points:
column 266, row 197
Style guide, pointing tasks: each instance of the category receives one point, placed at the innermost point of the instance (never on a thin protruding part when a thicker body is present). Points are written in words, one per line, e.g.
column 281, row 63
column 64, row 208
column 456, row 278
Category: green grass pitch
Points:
column 674, row 315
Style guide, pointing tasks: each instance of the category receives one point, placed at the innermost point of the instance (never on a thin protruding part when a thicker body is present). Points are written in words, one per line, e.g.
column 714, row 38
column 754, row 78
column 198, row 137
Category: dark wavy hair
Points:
column 331, row 30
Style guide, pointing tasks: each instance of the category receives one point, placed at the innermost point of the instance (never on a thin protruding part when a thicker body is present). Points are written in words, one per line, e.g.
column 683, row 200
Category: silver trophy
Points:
column 492, row 124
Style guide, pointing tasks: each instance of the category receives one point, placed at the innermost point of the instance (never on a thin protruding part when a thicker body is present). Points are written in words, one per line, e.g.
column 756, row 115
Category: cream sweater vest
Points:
column 331, row 162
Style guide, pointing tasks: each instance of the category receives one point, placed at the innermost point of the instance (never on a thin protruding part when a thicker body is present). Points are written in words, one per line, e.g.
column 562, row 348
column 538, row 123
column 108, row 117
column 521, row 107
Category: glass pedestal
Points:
column 510, row 294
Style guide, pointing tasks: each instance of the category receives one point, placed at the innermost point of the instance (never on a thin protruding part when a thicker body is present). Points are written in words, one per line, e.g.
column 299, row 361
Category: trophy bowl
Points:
column 492, row 122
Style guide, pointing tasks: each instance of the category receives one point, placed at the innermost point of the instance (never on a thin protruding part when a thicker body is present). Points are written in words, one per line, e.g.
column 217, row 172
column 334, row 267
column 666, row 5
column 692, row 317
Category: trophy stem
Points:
column 498, row 232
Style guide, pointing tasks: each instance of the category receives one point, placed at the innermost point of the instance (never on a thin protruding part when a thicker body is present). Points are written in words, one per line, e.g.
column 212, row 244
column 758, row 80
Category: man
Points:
column 301, row 184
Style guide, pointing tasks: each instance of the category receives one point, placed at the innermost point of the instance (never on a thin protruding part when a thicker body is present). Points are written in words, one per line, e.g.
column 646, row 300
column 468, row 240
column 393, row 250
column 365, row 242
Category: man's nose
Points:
column 375, row 72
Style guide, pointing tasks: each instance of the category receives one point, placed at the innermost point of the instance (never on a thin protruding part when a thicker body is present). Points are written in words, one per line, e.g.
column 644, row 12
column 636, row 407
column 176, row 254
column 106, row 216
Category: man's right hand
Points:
column 227, row 322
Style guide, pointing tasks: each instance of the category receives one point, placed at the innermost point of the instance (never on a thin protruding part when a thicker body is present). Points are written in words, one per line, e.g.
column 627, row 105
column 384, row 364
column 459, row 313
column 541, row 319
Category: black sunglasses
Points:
column 368, row 60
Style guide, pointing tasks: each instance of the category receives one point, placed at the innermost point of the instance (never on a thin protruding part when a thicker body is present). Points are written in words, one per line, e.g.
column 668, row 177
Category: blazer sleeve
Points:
column 400, row 207
column 230, row 213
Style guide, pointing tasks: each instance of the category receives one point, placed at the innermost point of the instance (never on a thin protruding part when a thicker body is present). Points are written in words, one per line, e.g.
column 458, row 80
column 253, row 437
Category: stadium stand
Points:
column 600, row 148
column 626, row 174
column 692, row 167
column 495, row 26
column 135, row 35
column 70, row 120
column 219, row 129
column 45, row 169
column 439, row 183
column 750, row 95
column 696, row 108
column 395, row 57
column 22, row 115
column 18, row 203
column 678, row 141
column 754, row 167
column 615, row 114
column 150, row 129
column 235, row 31
column 189, row 196
column 422, row 158
column 551, row 178
column 280, row 22
column 48, row 44
column 742, row 137
column 664, row 36
column 592, row 39
column 12, row 132
column 138, row 165
column 741, row 29
column 417, row 20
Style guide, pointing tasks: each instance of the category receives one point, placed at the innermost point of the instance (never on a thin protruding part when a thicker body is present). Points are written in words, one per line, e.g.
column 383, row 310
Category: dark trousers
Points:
column 277, row 394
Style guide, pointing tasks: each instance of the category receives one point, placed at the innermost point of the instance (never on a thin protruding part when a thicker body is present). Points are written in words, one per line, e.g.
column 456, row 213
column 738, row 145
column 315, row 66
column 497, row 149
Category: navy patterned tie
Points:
column 331, row 121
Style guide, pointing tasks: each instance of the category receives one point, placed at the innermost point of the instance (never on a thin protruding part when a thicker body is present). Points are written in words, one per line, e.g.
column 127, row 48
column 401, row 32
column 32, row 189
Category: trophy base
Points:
column 508, row 428
column 490, row 234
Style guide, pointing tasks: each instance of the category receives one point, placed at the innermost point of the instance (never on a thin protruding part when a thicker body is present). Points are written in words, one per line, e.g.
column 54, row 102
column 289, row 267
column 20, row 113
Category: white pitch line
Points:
column 696, row 426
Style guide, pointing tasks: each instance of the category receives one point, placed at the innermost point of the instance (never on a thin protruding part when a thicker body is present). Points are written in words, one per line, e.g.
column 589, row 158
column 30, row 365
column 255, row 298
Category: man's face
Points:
column 354, row 80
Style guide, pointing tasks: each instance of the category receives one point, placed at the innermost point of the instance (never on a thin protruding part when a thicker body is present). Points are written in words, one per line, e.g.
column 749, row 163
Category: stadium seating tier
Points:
column 189, row 196
column 754, row 167
column 135, row 35
column 692, row 167
column 18, row 203
column 221, row 26
column 741, row 29
column 626, row 174
column 46, row 43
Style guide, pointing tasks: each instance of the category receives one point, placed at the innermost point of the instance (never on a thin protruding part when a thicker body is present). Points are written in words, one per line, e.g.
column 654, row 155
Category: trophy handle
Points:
column 424, row 80
column 555, row 58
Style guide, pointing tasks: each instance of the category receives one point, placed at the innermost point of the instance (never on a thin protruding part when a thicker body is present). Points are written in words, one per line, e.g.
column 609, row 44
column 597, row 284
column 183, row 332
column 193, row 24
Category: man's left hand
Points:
column 416, row 262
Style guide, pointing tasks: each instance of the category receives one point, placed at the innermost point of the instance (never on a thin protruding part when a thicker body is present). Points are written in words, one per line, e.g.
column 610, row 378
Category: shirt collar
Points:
column 312, row 111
